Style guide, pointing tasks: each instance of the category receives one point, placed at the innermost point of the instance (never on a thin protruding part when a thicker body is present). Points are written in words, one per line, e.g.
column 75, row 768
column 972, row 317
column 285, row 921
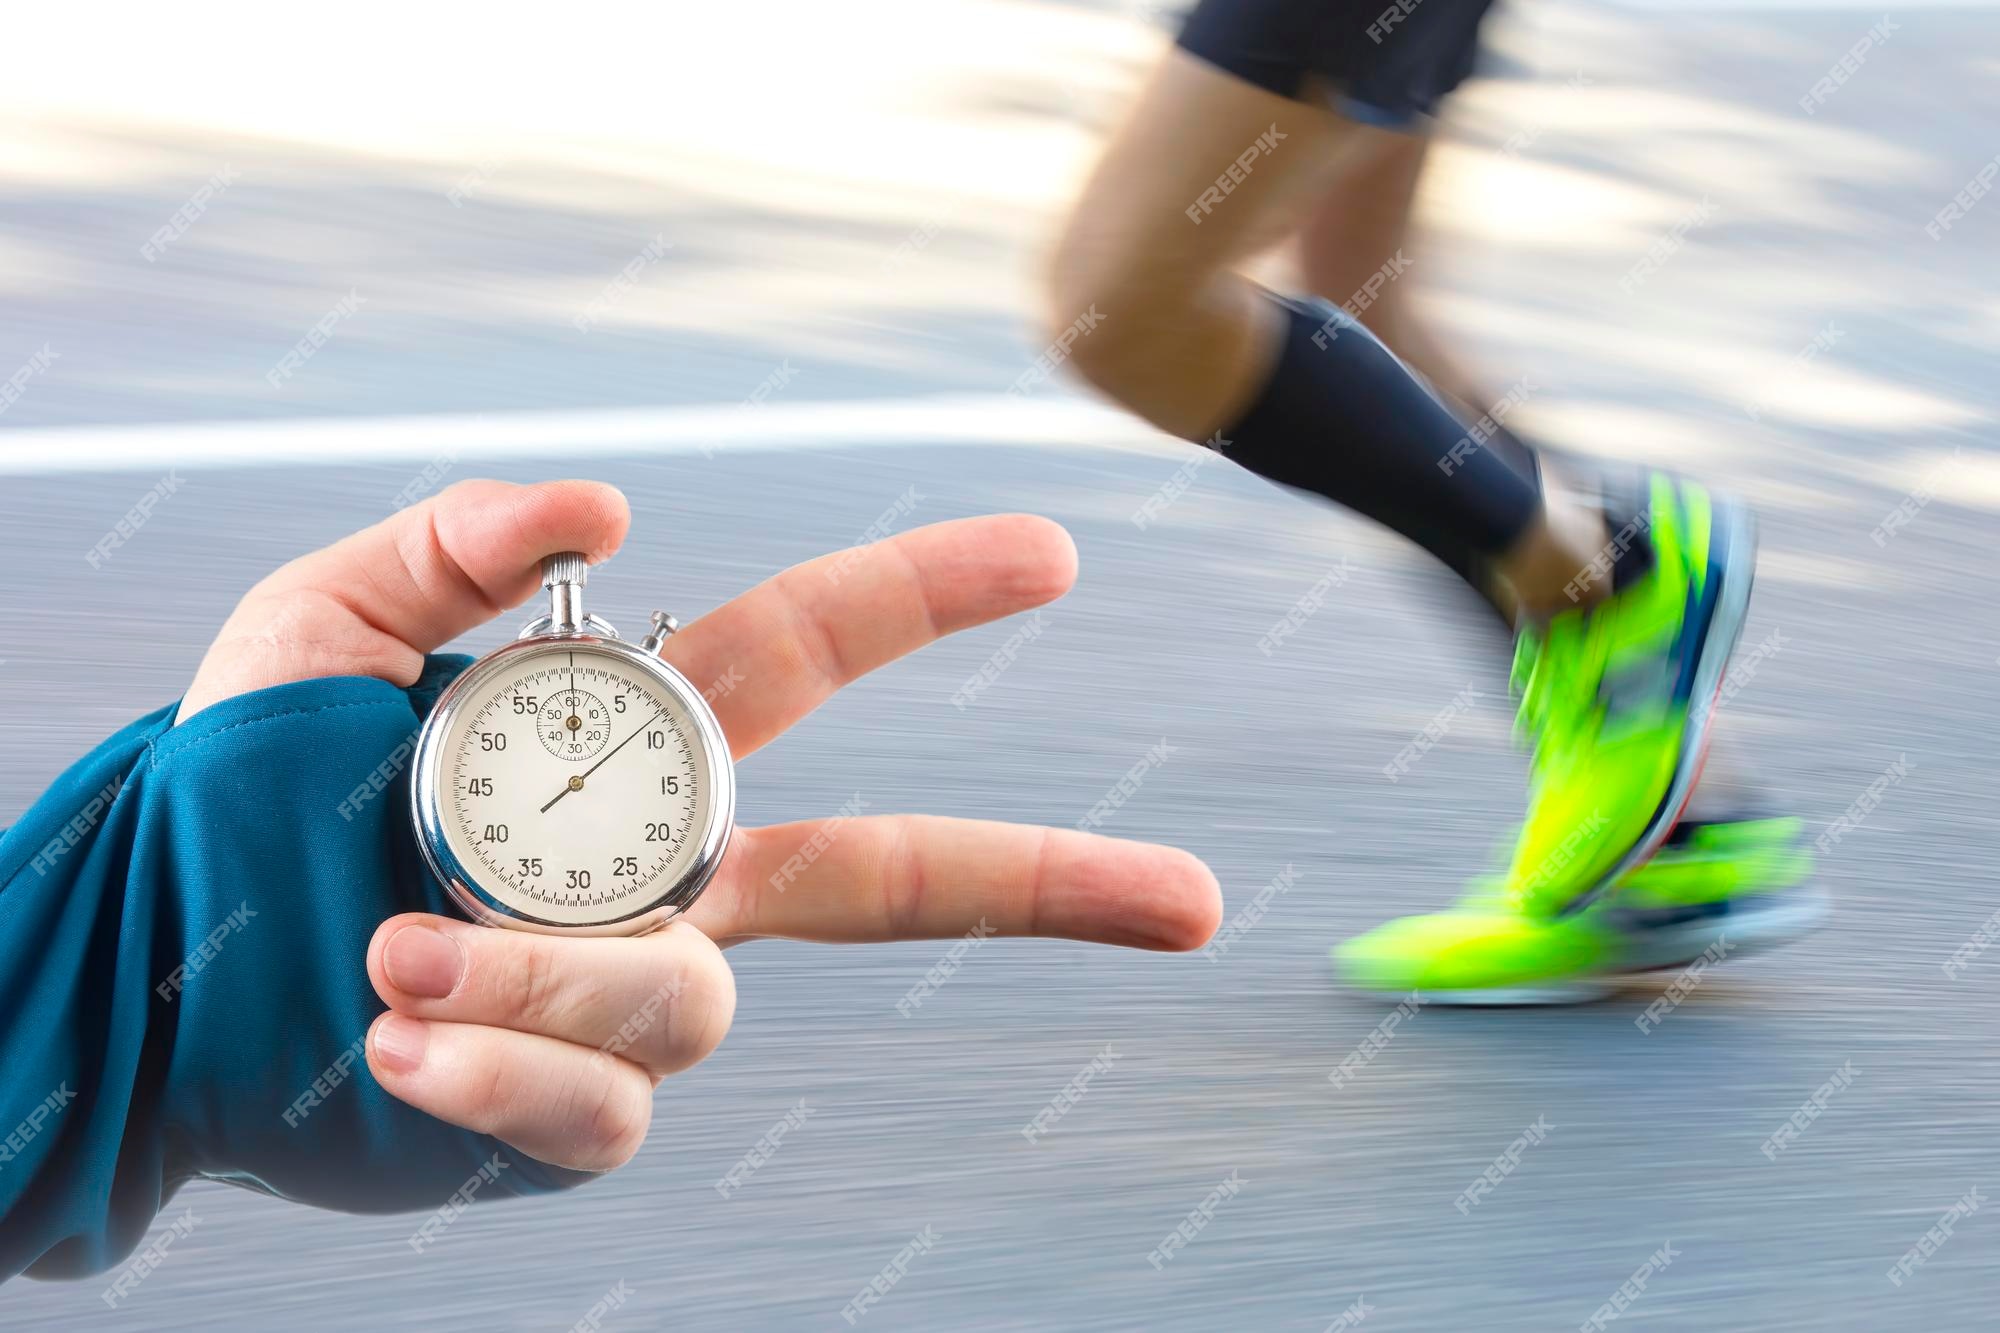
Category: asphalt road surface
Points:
column 1879, row 652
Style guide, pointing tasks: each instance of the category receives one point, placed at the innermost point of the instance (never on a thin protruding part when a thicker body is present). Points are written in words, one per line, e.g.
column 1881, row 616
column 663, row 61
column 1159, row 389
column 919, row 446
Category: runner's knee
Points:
column 1108, row 307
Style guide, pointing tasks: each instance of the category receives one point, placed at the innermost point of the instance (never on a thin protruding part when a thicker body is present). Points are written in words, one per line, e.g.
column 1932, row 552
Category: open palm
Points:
column 532, row 1038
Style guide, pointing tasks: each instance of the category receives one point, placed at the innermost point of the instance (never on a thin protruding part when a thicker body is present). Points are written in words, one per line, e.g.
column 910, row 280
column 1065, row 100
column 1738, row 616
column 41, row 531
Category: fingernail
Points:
column 422, row 961
column 400, row 1042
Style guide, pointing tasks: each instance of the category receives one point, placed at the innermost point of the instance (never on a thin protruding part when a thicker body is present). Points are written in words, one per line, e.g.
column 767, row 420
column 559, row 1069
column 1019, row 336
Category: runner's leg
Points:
column 1304, row 395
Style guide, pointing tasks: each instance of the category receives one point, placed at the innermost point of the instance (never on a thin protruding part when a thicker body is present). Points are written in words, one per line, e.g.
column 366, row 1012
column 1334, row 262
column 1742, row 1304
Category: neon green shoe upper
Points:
column 1604, row 702
column 1479, row 946
column 1713, row 862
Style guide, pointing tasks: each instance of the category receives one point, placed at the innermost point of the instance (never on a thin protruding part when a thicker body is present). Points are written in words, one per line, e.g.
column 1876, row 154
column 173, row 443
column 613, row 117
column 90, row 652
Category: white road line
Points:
column 942, row 420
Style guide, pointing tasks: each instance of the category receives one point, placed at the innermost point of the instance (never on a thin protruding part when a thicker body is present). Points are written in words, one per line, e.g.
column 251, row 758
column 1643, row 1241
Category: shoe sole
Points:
column 1752, row 924
column 1545, row 995
column 1733, row 525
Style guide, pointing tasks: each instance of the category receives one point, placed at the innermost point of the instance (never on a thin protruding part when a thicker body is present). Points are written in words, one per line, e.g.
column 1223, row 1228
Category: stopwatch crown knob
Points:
column 566, row 567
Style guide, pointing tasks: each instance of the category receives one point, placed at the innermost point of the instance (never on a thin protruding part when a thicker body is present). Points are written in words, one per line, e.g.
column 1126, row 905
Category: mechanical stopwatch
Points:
column 572, row 782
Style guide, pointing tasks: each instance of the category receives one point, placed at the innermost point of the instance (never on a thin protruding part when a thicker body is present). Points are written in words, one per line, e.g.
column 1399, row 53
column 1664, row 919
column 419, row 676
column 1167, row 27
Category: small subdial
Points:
column 573, row 725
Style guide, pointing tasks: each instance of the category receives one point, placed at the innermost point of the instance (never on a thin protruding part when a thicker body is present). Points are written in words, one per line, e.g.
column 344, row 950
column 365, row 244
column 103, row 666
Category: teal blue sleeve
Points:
column 184, row 925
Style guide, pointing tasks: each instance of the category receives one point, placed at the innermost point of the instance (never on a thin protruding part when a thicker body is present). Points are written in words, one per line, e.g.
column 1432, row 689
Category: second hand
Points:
column 576, row 783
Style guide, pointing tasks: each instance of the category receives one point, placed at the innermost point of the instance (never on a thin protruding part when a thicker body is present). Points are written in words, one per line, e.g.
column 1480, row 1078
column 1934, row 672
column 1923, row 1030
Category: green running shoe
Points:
column 1716, row 889
column 1617, row 698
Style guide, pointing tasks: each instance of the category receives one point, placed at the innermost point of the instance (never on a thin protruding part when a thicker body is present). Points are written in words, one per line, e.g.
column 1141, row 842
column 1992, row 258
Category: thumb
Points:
column 374, row 603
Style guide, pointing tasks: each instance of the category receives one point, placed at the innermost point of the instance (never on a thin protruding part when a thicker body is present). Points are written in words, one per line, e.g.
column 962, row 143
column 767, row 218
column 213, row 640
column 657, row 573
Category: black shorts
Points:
column 1381, row 62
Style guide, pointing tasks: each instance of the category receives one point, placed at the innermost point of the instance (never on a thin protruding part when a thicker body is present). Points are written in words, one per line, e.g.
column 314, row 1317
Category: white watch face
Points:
column 574, row 786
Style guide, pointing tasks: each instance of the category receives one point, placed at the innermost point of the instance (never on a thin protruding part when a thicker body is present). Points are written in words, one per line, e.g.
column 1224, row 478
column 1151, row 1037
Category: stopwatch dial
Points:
column 577, row 787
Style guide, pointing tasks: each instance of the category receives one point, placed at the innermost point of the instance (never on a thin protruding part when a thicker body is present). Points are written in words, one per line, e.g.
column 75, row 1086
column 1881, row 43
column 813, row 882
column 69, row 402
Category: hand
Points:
column 511, row 1034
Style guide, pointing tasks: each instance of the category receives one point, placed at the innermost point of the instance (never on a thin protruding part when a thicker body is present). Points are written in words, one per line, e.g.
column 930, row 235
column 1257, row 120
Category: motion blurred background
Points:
column 836, row 215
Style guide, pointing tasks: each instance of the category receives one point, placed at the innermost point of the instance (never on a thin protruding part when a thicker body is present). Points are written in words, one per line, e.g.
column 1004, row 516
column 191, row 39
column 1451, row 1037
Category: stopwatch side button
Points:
column 664, row 628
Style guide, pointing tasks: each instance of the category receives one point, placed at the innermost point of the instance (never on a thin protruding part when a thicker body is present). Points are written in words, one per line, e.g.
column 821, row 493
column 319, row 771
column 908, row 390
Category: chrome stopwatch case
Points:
column 571, row 782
